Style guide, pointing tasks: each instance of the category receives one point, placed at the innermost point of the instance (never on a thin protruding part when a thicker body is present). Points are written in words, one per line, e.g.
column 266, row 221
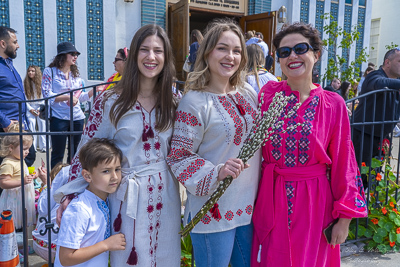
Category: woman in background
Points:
column 119, row 66
column 257, row 75
column 196, row 38
column 33, row 90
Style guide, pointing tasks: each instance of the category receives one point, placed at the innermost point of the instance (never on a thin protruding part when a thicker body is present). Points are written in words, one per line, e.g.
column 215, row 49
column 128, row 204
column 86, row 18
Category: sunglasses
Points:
column 299, row 49
column 118, row 59
column 74, row 54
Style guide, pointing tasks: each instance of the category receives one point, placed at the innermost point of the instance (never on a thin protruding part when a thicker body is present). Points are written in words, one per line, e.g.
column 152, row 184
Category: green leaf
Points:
column 396, row 221
column 375, row 163
column 368, row 233
column 382, row 232
column 378, row 238
column 392, row 177
column 398, row 236
column 361, row 230
column 364, row 170
column 382, row 248
column 392, row 237
column 392, row 216
column 381, row 223
column 389, row 226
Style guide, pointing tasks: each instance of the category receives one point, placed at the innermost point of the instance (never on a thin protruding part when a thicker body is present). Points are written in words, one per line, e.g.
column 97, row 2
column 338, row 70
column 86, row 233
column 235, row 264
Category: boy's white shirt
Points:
column 83, row 224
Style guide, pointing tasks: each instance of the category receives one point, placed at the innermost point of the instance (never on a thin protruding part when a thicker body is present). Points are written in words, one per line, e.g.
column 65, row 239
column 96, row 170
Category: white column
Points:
column 294, row 11
column 312, row 10
column 17, row 22
column 367, row 30
column 50, row 30
column 354, row 21
column 81, row 37
column 340, row 25
column 324, row 58
column 109, row 37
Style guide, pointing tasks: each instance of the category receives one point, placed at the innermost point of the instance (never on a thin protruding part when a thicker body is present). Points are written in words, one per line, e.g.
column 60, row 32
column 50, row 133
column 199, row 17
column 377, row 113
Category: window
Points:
column 349, row 2
column 361, row 3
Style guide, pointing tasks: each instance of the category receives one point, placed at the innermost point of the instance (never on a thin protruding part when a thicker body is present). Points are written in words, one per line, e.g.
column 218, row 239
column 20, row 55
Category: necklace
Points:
column 147, row 130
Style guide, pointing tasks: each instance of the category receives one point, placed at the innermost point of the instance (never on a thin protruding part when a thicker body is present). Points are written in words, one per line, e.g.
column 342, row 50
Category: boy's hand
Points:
column 116, row 242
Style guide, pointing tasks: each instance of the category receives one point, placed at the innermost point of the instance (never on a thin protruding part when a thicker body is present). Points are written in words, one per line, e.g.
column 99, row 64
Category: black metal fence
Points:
column 380, row 101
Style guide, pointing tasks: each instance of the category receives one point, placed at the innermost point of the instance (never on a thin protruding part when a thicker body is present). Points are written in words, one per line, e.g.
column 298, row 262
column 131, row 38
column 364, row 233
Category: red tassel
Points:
column 150, row 133
column 133, row 257
column 118, row 221
column 144, row 135
column 241, row 109
column 215, row 212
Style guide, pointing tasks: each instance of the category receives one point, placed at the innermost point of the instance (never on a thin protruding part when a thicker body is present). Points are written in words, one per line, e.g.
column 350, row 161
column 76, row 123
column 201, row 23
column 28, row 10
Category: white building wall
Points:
column 388, row 14
column 17, row 23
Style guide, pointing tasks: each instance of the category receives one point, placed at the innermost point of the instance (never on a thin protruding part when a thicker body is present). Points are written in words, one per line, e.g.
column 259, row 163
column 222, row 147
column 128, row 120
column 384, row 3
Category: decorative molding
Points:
column 34, row 33
column 4, row 13
column 65, row 21
column 335, row 14
column 361, row 23
column 95, row 33
column 319, row 25
column 304, row 10
column 348, row 13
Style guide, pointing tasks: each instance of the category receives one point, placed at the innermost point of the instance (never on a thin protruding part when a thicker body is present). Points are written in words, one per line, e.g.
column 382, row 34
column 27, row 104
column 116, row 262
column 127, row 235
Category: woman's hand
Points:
column 34, row 112
column 74, row 101
column 232, row 167
column 340, row 232
column 42, row 175
column 63, row 205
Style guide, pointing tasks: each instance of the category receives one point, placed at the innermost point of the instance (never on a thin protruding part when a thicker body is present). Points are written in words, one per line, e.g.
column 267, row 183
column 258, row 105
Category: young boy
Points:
column 84, row 237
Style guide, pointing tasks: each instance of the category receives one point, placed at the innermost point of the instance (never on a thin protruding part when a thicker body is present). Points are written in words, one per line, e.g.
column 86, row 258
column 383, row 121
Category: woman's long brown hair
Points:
column 37, row 81
column 129, row 85
column 59, row 62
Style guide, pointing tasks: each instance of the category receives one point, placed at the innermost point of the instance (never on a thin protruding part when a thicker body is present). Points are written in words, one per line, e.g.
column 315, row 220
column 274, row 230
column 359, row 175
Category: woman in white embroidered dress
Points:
column 138, row 114
column 213, row 119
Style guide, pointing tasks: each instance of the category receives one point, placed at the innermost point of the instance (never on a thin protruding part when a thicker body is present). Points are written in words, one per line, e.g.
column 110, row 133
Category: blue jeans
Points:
column 221, row 248
column 58, row 142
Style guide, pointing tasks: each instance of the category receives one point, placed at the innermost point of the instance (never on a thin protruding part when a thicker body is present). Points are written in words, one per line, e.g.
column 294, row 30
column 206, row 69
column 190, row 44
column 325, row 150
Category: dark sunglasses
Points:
column 299, row 49
column 74, row 54
column 118, row 59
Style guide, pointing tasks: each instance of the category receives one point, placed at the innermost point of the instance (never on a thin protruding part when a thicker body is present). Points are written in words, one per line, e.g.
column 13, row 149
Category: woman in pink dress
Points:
column 309, row 175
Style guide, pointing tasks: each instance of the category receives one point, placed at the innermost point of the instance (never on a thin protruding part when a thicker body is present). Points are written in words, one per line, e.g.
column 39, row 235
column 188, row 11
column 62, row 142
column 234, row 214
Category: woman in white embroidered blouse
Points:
column 213, row 119
column 138, row 114
column 62, row 75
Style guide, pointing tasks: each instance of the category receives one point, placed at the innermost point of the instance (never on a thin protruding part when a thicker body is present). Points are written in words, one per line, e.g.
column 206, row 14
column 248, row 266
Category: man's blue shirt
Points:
column 11, row 89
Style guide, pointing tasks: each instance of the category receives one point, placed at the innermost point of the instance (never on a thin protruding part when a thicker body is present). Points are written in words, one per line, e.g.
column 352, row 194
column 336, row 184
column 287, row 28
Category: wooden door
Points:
column 264, row 23
column 179, row 34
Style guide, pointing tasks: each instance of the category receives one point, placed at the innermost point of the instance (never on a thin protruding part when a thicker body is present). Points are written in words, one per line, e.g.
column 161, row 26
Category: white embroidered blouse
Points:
column 210, row 129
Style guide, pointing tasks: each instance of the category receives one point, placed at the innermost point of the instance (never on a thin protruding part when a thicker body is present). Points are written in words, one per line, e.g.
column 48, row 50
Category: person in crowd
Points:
column 386, row 108
column 119, row 66
column 196, row 38
column 85, row 236
column 213, row 119
column 61, row 76
column 10, row 177
column 257, row 75
column 366, row 72
column 334, row 86
column 58, row 176
column 372, row 65
column 11, row 87
column 33, row 91
column 249, row 34
column 309, row 174
column 344, row 89
column 138, row 114
column 259, row 41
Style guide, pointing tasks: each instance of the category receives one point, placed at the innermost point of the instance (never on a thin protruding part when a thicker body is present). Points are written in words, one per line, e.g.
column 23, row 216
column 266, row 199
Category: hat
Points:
column 66, row 47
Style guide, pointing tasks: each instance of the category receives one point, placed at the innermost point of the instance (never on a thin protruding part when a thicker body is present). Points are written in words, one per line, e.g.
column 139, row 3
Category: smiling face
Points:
column 104, row 178
column 151, row 57
column 225, row 58
column 297, row 66
column 31, row 73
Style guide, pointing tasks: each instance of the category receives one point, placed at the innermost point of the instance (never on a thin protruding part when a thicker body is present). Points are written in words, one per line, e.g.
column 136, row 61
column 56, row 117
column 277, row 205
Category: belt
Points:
column 128, row 190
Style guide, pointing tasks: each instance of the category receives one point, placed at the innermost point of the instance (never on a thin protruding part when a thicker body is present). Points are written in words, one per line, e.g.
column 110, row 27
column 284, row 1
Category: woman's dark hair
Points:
column 59, row 62
column 307, row 30
column 121, row 51
column 129, row 85
column 343, row 89
column 367, row 70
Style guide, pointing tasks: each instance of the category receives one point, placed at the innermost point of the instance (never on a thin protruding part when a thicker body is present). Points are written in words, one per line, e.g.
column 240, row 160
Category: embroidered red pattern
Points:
column 187, row 118
column 247, row 107
column 229, row 215
column 206, row 219
column 239, row 212
column 203, row 186
column 249, row 209
column 193, row 167
column 236, row 119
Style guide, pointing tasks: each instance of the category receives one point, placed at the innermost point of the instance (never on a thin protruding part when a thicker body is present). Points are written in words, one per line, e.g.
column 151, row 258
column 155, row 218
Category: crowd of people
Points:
column 119, row 198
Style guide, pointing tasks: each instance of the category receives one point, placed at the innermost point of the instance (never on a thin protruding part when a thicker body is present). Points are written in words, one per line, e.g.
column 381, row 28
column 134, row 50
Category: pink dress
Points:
column 309, row 178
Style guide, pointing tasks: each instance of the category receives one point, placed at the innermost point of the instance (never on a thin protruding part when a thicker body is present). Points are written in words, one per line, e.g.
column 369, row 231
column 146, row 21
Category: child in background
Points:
column 84, row 237
column 10, row 178
column 58, row 176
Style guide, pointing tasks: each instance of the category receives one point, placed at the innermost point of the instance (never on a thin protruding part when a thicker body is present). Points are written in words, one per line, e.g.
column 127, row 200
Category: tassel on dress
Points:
column 133, row 257
column 215, row 212
column 118, row 221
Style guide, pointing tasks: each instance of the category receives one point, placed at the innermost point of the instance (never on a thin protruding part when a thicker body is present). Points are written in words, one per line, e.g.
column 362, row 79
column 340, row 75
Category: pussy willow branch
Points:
column 267, row 125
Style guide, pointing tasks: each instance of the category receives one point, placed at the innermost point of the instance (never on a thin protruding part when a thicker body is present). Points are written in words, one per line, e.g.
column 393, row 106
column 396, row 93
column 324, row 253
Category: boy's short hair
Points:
column 98, row 150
